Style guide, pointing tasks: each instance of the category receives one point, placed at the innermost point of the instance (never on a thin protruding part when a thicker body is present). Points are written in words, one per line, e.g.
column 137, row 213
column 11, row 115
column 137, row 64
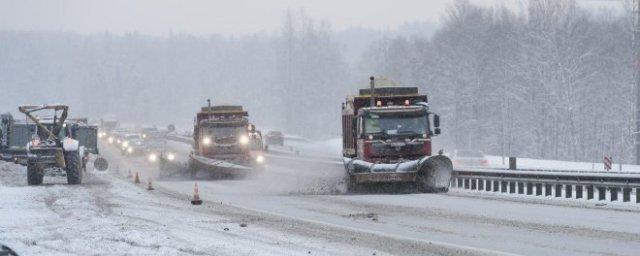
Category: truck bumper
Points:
column 384, row 177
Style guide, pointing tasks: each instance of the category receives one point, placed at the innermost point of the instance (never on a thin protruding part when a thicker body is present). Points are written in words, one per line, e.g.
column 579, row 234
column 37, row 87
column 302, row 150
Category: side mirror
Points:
column 436, row 121
column 437, row 131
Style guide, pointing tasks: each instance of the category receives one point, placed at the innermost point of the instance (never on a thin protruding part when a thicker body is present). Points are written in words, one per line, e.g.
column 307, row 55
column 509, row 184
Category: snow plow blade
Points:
column 430, row 173
column 213, row 163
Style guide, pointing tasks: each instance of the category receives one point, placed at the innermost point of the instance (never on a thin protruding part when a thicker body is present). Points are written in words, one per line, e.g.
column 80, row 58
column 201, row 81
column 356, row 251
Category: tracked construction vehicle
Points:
column 59, row 145
column 386, row 138
column 224, row 142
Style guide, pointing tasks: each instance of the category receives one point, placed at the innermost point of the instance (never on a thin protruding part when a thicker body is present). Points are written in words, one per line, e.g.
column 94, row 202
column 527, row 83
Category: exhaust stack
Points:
column 372, row 90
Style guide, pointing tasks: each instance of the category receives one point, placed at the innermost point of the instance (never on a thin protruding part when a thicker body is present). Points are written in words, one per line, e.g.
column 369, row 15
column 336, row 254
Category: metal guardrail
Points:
column 598, row 186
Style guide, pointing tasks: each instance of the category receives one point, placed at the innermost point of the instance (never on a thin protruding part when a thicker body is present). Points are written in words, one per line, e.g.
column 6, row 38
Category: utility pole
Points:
column 636, row 73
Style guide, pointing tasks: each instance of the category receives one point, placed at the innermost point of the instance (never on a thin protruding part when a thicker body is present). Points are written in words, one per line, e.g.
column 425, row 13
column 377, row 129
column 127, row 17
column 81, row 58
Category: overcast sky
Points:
column 202, row 17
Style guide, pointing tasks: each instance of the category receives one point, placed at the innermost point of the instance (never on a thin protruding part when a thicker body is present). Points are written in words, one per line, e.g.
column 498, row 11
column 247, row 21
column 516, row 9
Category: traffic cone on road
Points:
column 149, row 185
column 196, row 196
column 136, row 180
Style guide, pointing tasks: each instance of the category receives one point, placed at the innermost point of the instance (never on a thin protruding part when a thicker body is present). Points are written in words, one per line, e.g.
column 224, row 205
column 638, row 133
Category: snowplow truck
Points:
column 57, row 144
column 222, row 142
column 386, row 138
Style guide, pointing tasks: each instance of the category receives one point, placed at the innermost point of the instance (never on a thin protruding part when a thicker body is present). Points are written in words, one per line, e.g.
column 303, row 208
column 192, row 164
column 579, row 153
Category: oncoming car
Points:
column 469, row 158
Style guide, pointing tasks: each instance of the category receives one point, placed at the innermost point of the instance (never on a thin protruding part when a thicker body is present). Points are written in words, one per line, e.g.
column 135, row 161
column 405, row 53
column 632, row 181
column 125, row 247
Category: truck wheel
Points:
column 74, row 167
column 34, row 174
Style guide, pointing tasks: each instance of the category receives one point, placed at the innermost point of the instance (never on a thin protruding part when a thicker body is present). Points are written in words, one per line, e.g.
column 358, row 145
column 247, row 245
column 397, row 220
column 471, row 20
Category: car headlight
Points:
column 144, row 136
column 125, row 143
column 206, row 141
column 244, row 140
column 130, row 150
column 110, row 140
column 260, row 159
column 100, row 135
column 171, row 157
column 152, row 157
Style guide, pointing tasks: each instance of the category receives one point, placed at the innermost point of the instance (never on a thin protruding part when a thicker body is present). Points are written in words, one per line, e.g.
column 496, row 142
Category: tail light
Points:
column 426, row 148
column 484, row 162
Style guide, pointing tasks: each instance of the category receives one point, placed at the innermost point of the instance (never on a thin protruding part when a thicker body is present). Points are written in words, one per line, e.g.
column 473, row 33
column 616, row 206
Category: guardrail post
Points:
column 613, row 194
column 520, row 187
column 568, row 191
column 626, row 194
column 538, row 188
column 602, row 193
column 579, row 191
column 512, row 163
column 548, row 189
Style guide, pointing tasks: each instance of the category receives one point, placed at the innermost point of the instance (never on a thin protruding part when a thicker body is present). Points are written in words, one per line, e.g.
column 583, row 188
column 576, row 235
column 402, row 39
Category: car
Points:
column 469, row 158
column 274, row 138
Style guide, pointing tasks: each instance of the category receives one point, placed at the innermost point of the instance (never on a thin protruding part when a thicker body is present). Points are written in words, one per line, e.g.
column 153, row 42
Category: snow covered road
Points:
column 294, row 189
column 292, row 208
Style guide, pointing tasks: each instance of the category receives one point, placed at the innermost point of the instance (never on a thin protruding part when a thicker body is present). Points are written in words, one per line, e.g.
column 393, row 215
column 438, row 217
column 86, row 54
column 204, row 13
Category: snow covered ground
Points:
column 294, row 207
column 110, row 216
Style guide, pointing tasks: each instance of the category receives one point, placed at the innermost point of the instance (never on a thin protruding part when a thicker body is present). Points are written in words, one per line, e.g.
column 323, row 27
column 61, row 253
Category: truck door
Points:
column 87, row 136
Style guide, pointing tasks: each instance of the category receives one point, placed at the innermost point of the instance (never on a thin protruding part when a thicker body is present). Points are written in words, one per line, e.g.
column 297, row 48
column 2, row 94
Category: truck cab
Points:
column 397, row 127
column 221, row 133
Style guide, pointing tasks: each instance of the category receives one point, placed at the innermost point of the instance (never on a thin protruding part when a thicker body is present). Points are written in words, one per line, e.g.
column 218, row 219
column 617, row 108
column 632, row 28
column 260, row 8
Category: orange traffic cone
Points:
column 136, row 180
column 149, row 185
column 196, row 196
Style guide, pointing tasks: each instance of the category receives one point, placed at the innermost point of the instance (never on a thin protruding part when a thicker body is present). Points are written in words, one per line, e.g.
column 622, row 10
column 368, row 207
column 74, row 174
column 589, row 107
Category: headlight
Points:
column 260, row 159
column 152, row 157
column 118, row 141
column 244, row 140
column 130, row 150
column 125, row 143
column 171, row 157
column 100, row 135
column 144, row 136
column 206, row 141
column 110, row 140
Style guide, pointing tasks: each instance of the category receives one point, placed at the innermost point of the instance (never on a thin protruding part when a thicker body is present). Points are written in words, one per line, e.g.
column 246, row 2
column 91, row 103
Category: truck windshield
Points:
column 396, row 125
column 226, row 132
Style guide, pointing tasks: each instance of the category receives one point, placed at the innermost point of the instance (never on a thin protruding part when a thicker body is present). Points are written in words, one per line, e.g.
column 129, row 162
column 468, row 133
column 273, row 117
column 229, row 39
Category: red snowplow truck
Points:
column 386, row 138
column 224, row 142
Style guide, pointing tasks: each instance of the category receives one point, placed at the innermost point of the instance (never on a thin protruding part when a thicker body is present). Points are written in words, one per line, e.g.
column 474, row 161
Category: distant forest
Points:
column 554, row 81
